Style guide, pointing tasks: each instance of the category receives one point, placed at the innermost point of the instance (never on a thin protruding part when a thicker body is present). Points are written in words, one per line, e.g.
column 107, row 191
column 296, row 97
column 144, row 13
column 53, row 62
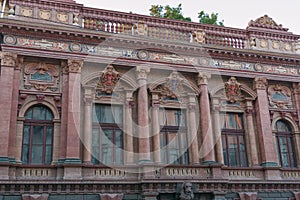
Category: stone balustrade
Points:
column 36, row 173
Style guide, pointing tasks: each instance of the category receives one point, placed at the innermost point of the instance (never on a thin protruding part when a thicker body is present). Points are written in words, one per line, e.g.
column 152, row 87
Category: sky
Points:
column 235, row 13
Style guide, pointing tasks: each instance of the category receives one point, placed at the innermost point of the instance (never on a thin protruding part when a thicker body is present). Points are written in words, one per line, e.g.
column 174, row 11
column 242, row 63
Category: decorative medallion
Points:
column 279, row 96
column 275, row 45
column 143, row 55
column 45, row 14
column 25, row 11
column 10, row 39
column 287, row 47
column 108, row 80
column 199, row 36
column 75, row 47
column 263, row 43
column 233, row 90
column 41, row 76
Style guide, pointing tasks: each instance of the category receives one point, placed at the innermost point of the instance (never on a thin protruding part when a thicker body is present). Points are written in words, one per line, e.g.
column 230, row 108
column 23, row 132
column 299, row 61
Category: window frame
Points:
column 31, row 123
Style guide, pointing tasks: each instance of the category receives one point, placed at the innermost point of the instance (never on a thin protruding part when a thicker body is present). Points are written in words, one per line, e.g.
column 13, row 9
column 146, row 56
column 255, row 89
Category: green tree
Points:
column 205, row 18
column 169, row 12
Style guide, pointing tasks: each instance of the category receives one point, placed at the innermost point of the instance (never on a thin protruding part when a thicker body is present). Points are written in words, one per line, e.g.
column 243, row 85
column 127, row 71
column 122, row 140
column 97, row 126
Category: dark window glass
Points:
column 37, row 136
column 233, row 140
column 107, row 143
column 285, row 144
column 173, row 137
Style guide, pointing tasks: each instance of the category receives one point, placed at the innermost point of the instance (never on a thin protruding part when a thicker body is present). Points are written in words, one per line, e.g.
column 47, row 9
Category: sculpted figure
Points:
column 186, row 191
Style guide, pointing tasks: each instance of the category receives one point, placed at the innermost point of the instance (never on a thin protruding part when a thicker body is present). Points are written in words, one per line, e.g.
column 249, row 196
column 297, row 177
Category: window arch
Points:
column 285, row 144
column 37, row 144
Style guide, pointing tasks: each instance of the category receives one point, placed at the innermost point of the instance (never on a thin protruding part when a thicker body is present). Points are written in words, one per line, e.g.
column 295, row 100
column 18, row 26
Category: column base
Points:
column 209, row 162
column 69, row 161
column 145, row 161
column 269, row 164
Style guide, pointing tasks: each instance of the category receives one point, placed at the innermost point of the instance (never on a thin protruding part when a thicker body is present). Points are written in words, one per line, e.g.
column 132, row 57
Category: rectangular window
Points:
column 233, row 140
column 173, row 137
column 107, row 143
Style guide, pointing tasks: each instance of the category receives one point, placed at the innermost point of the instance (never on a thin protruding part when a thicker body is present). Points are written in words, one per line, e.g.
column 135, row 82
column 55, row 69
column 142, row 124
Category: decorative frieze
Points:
column 45, row 14
column 26, row 11
column 41, row 76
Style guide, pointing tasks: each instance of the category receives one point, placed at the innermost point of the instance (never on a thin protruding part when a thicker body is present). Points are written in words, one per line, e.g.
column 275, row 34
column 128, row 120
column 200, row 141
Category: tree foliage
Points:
column 205, row 18
column 168, row 12
column 176, row 13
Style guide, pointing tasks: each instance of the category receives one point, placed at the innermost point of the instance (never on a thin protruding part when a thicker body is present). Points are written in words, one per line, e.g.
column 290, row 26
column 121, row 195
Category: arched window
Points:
column 285, row 144
column 37, row 142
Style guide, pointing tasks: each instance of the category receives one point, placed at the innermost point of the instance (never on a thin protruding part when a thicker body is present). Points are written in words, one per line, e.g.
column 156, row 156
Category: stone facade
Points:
column 101, row 105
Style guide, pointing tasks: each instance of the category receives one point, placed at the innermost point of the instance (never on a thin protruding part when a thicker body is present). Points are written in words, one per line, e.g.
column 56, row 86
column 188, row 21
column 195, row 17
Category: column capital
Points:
column 142, row 72
column 296, row 87
column 88, row 100
column 203, row 78
column 9, row 59
column 260, row 83
column 72, row 66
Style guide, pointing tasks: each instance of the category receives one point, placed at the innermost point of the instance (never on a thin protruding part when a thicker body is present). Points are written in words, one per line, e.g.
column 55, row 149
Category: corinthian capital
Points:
column 8, row 59
column 142, row 72
column 203, row 78
column 260, row 83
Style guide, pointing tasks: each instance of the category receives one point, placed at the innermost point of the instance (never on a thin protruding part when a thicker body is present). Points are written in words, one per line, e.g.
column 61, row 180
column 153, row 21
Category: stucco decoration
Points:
column 233, row 90
column 199, row 36
column 279, row 96
column 186, row 192
column 41, row 76
column 108, row 80
column 111, row 196
column 265, row 20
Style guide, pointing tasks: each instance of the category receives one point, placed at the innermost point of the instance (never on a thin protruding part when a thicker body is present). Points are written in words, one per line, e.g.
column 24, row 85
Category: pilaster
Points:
column 266, row 141
column 143, row 121
column 156, row 131
column 207, row 146
column 217, row 131
column 193, row 136
column 129, row 152
column 7, row 95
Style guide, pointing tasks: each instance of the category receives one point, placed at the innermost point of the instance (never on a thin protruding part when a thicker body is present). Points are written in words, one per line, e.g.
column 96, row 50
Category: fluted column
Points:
column 217, row 131
column 207, row 146
column 72, row 111
column 251, row 137
column 143, row 121
column 129, row 152
column 193, row 136
column 266, row 141
column 87, row 129
column 8, row 65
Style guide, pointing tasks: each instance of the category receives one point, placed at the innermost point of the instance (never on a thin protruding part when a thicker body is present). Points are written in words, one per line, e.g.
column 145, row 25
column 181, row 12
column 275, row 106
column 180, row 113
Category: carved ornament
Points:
column 233, row 90
column 266, row 20
column 142, row 72
column 203, row 78
column 260, row 83
column 141, row 28
column 186, row 192
column 279, row 96
column 45, row 14
column 27, row 12
column 199, row 36
column 62, row 17
column 35, row 196
column 41, row 76
column 8, row 59
column 111, row 196
column 73, row 66
column 108, row 80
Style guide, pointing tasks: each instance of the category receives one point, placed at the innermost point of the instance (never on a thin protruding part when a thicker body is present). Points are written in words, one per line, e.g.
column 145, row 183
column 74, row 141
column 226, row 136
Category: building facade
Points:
column 99, row 104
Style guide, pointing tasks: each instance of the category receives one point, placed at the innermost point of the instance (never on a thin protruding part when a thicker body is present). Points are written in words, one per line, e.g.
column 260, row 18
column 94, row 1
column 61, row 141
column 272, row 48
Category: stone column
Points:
column 251, row 137
column 264, row 129
column 129, row 152
column 217, row 131
column 87, row 129
column 72, row 111
column 156, row 130
column 7, row 95
column 143, row 121
column 193, row 133
column 207, row 146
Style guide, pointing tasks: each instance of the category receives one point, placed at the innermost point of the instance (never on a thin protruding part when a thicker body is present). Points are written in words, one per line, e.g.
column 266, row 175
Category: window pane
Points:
column 48, row 156
column 117, row 114
column 49, row 115
column 107, row 147
column 25, row 154
column 282, row 127
column 224, row 149
column 243, row 157
column 37, row 135
column 233, row 121
column 49, row 137
column 108, row 114
column 28, row 114
column 173, row 148
column 291, row 152
column 284, row 152
column 26, row 135
column 37, row 154
column 233, row 151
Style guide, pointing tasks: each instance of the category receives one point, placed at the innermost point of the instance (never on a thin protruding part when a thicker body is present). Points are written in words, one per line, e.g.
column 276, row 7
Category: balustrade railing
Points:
column 158, row 28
